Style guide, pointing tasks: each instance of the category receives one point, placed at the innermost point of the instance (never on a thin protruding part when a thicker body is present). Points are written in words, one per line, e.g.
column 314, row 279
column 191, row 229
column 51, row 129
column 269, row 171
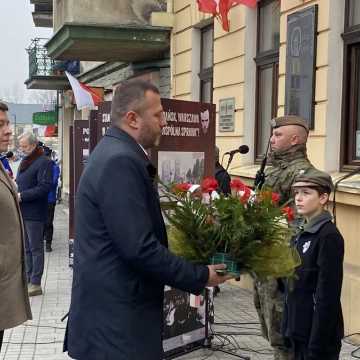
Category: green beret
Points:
column 313, row 177
column 289, row 120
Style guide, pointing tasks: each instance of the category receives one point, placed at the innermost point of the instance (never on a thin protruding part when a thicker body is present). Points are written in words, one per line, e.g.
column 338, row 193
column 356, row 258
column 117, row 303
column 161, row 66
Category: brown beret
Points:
column 289, row 120
column 313, row 177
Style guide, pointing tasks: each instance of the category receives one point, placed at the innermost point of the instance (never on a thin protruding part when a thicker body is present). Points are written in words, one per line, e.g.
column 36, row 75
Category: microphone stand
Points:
column 260, row 175
column 231, row 156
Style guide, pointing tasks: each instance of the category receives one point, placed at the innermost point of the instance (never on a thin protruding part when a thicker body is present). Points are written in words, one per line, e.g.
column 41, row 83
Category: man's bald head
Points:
column 285, row 137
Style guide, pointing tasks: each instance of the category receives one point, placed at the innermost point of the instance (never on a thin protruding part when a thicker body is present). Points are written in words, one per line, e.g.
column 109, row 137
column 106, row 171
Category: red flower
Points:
column 183, row 187
column 237, row 185
column 275, row 198
column 209, row 184
column 245, row 197
column 289, row 212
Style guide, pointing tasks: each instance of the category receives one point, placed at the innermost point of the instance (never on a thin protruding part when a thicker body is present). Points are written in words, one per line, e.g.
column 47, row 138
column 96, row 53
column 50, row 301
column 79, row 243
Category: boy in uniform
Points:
column 313, row 320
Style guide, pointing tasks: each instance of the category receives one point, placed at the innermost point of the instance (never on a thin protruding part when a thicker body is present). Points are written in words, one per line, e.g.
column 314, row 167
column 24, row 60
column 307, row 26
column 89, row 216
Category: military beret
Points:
column 314, row 177
column 289, row 120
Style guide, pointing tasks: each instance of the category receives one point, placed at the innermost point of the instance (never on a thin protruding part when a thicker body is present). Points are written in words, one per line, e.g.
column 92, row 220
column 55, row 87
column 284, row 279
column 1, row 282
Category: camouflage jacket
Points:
column 285, row 166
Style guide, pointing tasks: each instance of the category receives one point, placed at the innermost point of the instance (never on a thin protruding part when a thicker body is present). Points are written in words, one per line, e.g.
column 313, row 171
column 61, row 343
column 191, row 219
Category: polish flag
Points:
column 85, row 97
column 221, row 8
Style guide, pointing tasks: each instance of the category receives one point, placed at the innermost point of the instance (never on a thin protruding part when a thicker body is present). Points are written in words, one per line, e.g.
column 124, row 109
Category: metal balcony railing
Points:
column 39, row 62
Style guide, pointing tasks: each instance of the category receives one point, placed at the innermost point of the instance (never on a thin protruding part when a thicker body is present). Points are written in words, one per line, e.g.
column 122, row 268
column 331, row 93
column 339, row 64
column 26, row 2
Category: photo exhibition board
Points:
column 186, row 150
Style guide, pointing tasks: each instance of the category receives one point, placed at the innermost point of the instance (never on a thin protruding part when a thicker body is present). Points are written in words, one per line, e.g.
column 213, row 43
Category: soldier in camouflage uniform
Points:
column 288, row 159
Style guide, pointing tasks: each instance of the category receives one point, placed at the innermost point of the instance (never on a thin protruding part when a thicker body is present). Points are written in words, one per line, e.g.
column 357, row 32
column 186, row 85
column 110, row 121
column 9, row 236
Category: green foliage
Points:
column 192, row 232
column 253, row 232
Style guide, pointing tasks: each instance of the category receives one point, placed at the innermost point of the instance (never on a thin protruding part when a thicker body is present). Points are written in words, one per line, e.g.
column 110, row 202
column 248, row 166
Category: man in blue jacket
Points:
column 4, row 158
column 121, row 260
column 34, row 179
column 49, row 225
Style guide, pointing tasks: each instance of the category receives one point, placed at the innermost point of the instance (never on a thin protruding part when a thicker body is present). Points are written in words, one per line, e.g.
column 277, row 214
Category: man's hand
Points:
column 19, row 197
column 216, row 279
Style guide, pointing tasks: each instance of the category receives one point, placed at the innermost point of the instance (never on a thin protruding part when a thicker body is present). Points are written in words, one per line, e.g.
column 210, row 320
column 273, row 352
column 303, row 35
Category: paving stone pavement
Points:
column 42, row 337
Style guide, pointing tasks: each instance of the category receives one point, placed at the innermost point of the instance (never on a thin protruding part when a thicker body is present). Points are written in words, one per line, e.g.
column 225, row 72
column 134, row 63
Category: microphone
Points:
column 243, row 149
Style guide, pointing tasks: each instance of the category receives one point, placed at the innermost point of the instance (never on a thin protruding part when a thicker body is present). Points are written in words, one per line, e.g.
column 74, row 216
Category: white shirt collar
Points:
column 144, row 150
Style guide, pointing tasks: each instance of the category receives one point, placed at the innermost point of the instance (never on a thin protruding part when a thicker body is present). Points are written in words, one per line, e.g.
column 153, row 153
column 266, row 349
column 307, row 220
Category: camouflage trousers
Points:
column 269, row 303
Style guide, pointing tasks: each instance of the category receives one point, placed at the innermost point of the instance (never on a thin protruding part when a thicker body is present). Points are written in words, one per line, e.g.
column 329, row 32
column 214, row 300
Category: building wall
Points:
column 329, row 69
column 324, row 141
column 235, row 76
column 113, row 12
column 229, row 74
column 348, row 221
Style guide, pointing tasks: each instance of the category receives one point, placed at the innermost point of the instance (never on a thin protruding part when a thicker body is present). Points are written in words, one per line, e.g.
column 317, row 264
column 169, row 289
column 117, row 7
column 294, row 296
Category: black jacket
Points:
column 34, row 183
column 121, row 262
column 223, row 179
column 313, row 312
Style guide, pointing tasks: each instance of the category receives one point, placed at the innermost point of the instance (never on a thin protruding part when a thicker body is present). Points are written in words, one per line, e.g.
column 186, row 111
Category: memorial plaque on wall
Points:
column 186, row 151
column 301, row 63
column 227, row 115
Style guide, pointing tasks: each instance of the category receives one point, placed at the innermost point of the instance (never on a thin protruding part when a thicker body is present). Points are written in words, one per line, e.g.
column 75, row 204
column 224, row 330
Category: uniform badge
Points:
column 306, row 246
column 301, row 172
column 272, row 123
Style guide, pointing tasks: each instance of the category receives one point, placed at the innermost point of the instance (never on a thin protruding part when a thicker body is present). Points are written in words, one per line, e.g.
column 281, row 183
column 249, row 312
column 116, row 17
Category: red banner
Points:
column 221, row 8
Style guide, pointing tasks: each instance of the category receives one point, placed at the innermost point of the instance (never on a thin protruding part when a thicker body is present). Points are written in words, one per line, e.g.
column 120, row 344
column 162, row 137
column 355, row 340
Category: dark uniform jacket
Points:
column 121, row 261
column 285, row 166
column 312, row 313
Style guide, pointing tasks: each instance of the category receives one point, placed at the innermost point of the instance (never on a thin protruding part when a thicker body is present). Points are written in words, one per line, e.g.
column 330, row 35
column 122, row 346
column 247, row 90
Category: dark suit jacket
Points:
column 121, row 262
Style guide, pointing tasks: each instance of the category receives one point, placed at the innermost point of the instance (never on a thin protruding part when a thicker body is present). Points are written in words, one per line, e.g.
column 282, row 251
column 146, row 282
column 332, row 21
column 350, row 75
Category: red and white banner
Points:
column 221, row 8
column 85, row 96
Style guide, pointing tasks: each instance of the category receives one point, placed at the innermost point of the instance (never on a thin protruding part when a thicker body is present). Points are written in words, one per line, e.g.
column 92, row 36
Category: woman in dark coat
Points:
column 313, row 320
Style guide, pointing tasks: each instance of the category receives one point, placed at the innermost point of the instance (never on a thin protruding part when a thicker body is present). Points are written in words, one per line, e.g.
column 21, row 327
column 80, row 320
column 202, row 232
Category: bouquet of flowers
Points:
column 247, row 230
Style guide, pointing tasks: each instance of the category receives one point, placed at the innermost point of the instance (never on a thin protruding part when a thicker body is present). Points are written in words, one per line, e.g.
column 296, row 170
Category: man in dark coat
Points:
column 34, row 179
column 121, row 260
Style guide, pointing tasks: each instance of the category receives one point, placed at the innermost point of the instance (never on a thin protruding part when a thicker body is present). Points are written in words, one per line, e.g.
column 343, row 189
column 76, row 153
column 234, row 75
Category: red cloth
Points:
column 207, row 6
column 221, row 8
column 51, row 131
